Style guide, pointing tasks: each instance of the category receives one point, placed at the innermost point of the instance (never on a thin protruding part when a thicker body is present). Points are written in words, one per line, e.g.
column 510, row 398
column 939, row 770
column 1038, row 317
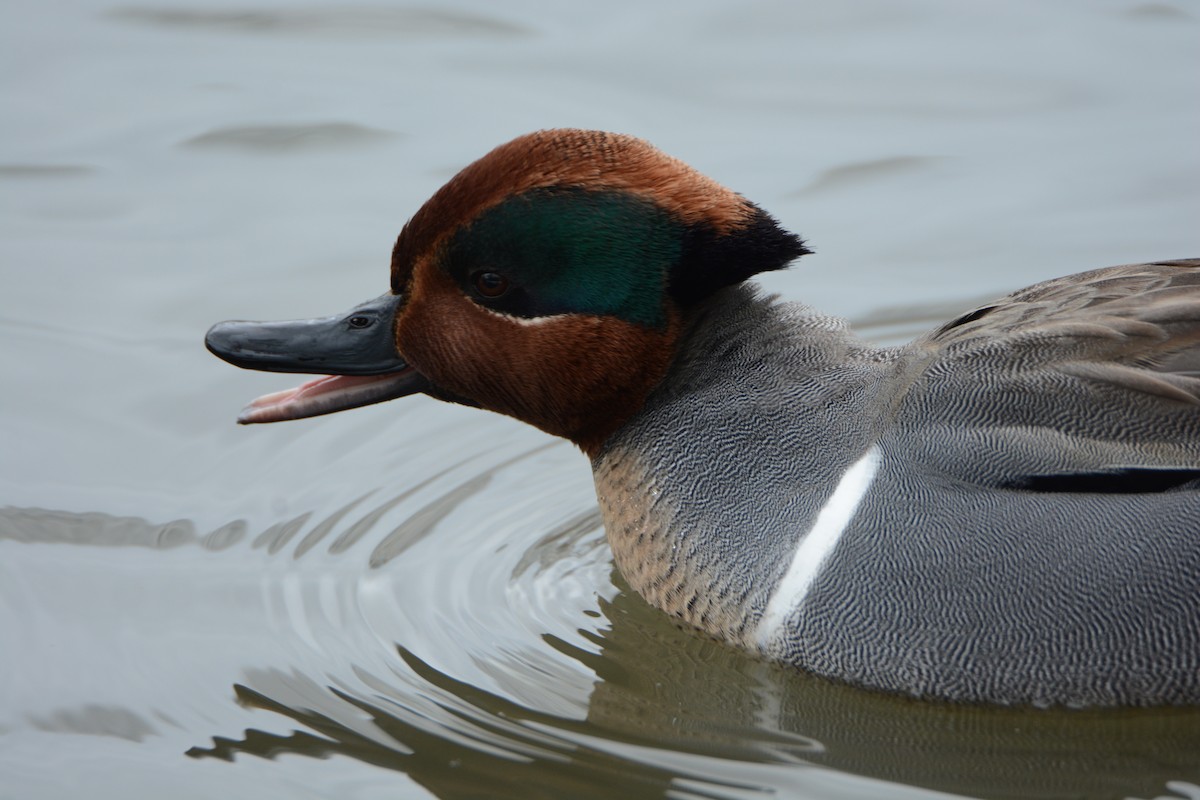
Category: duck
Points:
column 1004, row 511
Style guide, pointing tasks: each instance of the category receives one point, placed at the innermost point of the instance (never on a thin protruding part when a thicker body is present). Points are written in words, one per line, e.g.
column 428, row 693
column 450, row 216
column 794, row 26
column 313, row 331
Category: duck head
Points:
column 548, row 280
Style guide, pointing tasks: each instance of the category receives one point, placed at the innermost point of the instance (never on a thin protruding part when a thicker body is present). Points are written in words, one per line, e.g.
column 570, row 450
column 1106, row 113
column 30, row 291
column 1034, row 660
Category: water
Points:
column 416, row 600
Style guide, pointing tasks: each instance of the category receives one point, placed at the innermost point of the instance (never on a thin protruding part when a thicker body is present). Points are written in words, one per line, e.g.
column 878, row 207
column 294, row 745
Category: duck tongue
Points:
column 331, row 393
column 357, row 347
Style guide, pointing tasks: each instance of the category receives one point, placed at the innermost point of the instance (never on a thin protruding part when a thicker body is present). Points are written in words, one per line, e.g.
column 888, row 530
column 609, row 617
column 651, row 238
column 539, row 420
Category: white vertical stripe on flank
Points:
column 814, row 549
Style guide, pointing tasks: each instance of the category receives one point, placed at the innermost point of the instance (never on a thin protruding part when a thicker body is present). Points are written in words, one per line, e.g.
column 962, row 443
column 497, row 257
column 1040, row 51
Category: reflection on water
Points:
column 507, row 748
column 660, row 709
column 661, row 692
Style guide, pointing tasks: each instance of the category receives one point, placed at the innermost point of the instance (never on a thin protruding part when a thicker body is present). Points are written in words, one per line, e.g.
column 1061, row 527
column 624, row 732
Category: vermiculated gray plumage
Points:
column 1032, row 534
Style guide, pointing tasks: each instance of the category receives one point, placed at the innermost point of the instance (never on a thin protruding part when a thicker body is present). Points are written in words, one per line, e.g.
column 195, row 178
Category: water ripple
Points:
column 468, row 632
column 288, row 138
column 276, row 537
column 424, row 519
column 96, row 720
column 46, row 526
column 333, row 21
column 326, row 526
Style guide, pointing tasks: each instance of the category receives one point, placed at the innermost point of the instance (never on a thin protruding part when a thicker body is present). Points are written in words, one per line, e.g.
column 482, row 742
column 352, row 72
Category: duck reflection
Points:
column 673, row 712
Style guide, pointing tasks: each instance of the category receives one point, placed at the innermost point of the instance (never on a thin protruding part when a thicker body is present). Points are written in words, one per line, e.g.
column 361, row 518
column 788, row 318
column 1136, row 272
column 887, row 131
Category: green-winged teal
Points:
column 1005, row 510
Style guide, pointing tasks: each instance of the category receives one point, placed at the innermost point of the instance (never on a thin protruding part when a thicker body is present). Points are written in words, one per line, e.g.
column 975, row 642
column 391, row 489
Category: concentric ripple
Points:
column 466, row 628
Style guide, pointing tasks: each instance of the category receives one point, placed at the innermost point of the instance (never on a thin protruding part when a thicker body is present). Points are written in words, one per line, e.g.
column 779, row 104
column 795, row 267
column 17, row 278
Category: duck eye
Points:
column 490, row 284
column 359, row 321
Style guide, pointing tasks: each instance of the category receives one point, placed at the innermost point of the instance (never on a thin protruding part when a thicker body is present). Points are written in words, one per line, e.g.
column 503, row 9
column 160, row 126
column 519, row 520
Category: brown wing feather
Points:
column 1096, row 371
column 1145, row 317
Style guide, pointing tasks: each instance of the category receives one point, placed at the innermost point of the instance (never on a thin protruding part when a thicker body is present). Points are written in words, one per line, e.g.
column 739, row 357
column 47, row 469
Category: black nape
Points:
column 712, row 261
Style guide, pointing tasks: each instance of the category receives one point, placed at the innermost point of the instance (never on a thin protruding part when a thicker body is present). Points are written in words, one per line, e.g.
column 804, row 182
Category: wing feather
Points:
column 1089, row 374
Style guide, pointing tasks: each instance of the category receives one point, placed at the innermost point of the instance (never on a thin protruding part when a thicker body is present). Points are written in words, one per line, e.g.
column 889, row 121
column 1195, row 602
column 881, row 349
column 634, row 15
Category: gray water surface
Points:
column 414, row 599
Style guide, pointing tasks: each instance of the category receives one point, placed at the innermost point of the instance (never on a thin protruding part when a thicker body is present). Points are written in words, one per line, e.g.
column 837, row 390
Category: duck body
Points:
column 970, row 559
column 1006, row 510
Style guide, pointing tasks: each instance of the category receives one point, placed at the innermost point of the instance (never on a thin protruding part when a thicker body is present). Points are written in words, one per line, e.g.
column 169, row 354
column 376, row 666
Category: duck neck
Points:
column 762, row 408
